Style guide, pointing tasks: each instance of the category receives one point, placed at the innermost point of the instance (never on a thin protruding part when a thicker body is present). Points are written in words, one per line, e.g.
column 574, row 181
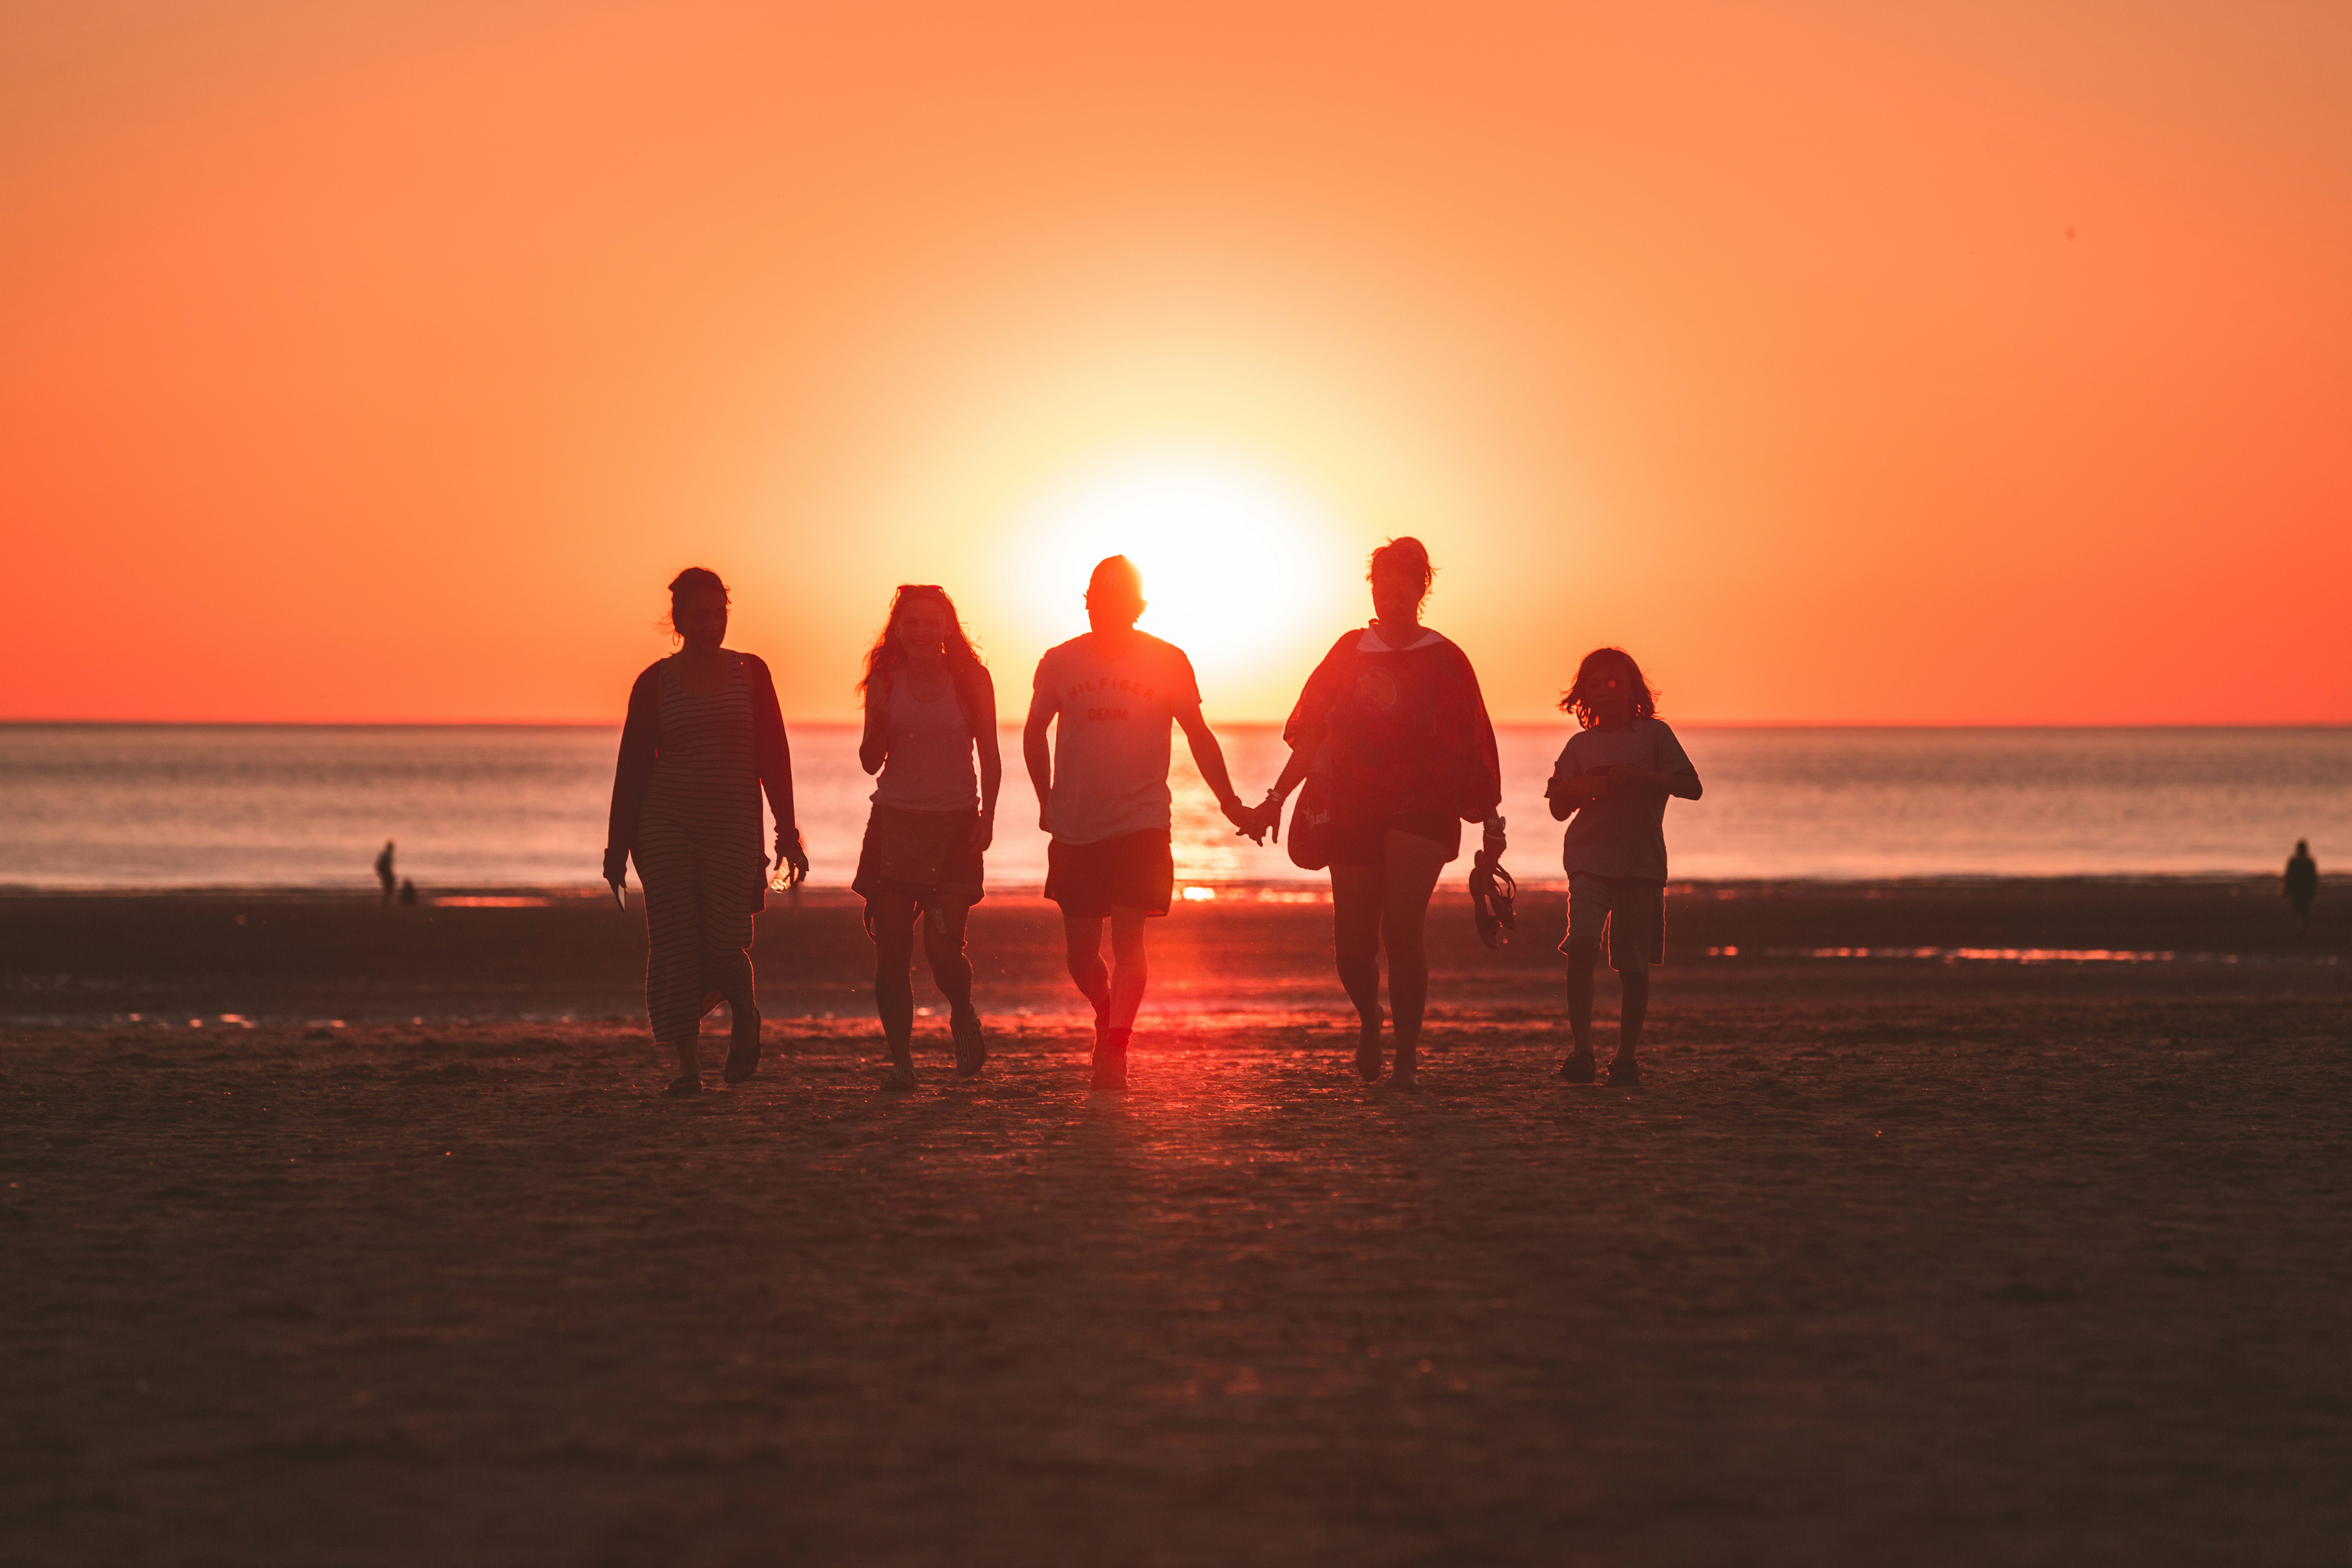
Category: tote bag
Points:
column 1310, row 820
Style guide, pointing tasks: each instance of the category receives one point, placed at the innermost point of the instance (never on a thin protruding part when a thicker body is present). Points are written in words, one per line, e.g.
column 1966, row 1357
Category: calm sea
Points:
column 97, row 805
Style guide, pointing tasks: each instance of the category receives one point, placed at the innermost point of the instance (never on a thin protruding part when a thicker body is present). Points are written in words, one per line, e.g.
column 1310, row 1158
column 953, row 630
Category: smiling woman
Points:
column 1236, row 564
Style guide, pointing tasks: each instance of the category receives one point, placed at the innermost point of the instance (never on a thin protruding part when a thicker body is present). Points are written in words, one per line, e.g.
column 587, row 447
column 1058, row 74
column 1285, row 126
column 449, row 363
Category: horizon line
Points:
column 851, row 723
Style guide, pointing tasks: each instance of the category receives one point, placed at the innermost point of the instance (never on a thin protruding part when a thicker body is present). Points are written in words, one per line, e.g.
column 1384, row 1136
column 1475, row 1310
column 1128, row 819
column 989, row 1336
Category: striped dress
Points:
column 699, row 851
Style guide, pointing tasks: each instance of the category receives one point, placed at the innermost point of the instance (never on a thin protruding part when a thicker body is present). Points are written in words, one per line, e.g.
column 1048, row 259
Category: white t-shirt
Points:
column 1114, row 698
column 1622, row 834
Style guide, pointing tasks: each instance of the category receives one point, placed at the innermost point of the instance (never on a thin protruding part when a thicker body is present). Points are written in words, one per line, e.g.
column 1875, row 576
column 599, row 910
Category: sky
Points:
column 1847, row 362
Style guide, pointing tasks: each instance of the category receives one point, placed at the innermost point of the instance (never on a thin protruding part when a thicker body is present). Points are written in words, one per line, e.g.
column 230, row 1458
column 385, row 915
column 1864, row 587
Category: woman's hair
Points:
column 1578, row 698
column 1403, row 557
column 693, row 580
column 883, row 660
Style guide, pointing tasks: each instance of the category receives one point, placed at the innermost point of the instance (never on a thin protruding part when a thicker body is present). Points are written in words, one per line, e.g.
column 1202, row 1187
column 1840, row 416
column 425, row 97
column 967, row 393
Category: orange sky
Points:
column 382, row 360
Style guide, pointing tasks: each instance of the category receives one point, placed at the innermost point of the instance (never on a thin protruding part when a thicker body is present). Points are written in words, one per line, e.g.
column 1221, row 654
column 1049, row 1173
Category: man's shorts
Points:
column 1628, row 914
column 1132, row 871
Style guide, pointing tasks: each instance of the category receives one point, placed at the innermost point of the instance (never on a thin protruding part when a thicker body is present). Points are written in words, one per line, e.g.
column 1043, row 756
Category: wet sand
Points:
column 1887, row 1261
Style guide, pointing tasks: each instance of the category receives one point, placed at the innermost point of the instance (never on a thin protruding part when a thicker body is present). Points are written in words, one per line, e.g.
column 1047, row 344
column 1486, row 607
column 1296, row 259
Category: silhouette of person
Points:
column 407, row 891
column 705, row 734
column 929, row 708
column 383, row 871
column 1611, row 786
column 1109, row 696
column 2302, row 883
column 1394, row 718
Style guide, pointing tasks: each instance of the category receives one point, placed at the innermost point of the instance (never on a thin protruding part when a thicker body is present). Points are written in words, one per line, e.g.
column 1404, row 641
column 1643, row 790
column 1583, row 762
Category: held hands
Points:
column 1249, row 821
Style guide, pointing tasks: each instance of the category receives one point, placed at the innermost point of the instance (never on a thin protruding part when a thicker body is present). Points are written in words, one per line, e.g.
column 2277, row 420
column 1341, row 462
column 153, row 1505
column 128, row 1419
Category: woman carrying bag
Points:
column 1394, row 730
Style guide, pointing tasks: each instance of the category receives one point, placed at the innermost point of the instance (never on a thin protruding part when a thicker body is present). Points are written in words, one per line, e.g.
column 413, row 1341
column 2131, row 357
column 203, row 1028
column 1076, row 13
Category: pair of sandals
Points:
column 742, row 1055
column 1493, row 892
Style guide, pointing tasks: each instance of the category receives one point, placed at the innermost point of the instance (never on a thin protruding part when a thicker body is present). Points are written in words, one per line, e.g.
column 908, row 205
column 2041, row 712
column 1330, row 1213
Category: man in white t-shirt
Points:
column 1102, row 794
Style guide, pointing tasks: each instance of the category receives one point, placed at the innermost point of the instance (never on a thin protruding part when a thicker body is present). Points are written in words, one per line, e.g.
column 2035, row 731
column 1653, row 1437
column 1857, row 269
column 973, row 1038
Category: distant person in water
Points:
column 1611, row 786
column 2301, row 882
column 1109, row 696
column 704, row 736
column 931, row 707
column 383, row 871
column 1394, row 718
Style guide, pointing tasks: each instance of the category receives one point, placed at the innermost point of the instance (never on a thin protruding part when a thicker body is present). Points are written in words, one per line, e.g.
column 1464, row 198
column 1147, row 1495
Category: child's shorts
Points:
column 1629, row 914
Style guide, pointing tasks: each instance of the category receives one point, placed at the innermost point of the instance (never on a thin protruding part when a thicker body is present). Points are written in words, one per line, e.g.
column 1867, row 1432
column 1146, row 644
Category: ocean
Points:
column 523, row 806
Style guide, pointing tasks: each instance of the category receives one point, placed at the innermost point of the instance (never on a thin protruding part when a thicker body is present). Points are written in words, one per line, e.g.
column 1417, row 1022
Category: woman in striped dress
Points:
column 931, row 707
column 705, row 734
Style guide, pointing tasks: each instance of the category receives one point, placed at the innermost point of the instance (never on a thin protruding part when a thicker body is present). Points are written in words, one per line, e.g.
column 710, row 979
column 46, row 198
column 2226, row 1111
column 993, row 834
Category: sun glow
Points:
column 1241, row 570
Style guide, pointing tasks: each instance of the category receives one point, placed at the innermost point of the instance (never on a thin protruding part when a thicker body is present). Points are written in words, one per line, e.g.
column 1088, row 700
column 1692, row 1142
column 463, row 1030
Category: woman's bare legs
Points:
column 890, row 919
column 943, row 947
column 1356, row 907
column 1408, row 877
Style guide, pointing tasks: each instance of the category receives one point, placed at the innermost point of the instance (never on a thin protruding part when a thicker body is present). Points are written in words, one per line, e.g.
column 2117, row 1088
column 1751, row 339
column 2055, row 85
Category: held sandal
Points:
column 1493, row 892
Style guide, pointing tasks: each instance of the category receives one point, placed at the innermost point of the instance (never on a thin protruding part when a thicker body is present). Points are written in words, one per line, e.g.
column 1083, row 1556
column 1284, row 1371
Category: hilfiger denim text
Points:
column 1074, row 689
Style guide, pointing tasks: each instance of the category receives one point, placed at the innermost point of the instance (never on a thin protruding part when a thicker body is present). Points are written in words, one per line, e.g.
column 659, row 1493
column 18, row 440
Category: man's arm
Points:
column 1209, row 758
column 1038, row 754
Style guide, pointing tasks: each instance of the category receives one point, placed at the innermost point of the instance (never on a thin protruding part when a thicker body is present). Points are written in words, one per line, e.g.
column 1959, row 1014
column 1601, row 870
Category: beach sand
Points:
column 1888, row 1259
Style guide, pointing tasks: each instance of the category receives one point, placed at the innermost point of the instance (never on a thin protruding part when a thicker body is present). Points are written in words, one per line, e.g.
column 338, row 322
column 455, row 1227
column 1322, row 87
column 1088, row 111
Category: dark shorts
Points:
column 1628, row 916
column 1363, row 841
column 926, row 856
column 1132, row 871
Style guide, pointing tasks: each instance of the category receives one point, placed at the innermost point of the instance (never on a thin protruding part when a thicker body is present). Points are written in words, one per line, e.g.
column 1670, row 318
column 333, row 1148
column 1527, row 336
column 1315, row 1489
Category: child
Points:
column 1612, row 780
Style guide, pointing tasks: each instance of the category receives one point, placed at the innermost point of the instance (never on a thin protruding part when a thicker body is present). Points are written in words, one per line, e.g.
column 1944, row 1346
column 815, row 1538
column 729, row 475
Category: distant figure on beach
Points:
column 2301, row 882
column 1393, row 724
column 1611, row 786
column 704, row 735
column 384, row 871
column 1102, row 794
column 407, row 891
column 931, row 707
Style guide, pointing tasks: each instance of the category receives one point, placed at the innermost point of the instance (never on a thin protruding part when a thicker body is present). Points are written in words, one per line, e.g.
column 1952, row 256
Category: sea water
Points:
column 123, row 805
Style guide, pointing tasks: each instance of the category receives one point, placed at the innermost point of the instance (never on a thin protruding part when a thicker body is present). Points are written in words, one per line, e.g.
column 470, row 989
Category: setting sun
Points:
column 1238, row 565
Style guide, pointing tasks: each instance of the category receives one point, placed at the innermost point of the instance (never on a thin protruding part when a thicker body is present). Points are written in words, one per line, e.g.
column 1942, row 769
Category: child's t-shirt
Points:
column 1622, row 834
column 1114, row 698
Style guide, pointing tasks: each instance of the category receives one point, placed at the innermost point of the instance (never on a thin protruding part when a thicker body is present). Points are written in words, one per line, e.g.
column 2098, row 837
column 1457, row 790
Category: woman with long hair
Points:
column 929, row 708
column 1394, row 718
column 705, row 735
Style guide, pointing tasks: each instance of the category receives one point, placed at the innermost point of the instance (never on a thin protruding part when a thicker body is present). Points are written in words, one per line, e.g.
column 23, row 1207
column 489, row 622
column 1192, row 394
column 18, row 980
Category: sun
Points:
column 1240, row 568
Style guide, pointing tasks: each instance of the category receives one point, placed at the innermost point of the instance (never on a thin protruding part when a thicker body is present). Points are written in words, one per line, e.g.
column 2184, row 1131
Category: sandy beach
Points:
column 1928, row 1259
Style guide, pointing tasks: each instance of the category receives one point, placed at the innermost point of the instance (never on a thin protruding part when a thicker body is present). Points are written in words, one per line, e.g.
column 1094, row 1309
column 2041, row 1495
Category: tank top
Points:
column 930, row 767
